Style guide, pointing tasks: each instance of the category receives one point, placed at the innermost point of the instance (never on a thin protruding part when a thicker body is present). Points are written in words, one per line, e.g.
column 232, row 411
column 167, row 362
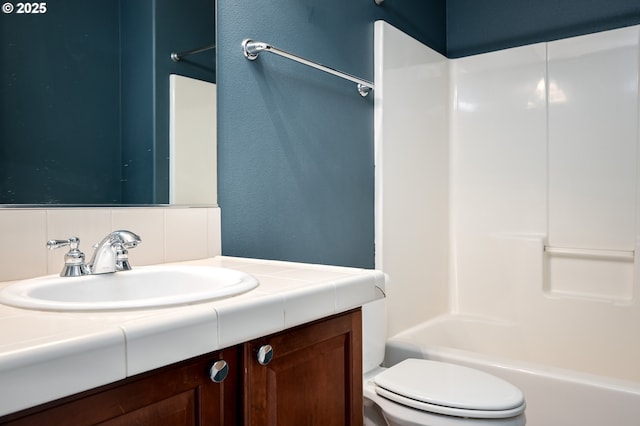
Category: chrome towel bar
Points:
column 175, row 57
column 252, row 49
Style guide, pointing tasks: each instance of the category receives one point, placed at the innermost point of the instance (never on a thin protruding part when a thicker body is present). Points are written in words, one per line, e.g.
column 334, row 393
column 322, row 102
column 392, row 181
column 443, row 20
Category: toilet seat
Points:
column 449, row 389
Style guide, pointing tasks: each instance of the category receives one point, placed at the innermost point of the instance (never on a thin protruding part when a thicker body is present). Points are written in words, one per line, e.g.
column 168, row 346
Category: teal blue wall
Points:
column 158, row 27
column 152, row 30
column 296, row 145
column 480, row 26
column 50, row 151
column 84, row 112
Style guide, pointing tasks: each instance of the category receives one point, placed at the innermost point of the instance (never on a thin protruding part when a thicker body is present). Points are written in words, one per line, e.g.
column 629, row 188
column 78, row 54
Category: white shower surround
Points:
column 554, row 396
column 483, row 161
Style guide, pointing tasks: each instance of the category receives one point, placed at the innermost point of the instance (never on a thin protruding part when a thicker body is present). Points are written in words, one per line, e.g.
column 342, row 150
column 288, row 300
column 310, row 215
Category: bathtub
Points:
column 555, row 395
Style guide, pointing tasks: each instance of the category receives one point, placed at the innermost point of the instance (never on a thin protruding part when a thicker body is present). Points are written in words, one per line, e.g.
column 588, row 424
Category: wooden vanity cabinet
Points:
column 314, row 377
column 176, row 395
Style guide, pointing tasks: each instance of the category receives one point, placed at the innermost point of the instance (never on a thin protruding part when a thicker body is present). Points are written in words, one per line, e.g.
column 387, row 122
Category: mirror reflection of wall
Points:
column 84, row 117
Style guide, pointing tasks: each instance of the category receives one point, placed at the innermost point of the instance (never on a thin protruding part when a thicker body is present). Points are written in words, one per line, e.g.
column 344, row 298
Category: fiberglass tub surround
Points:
column 546, row 169
column 541, row 216
column 554, row 396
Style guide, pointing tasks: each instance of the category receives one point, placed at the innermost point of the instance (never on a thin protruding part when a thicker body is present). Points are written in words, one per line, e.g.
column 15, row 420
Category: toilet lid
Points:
column 449, row 389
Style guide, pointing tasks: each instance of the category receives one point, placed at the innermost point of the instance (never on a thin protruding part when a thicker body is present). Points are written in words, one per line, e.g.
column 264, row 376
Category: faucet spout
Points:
column 111, row 253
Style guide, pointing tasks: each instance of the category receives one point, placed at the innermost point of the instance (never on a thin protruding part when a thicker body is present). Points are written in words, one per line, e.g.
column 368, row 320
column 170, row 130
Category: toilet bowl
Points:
column 430, row 393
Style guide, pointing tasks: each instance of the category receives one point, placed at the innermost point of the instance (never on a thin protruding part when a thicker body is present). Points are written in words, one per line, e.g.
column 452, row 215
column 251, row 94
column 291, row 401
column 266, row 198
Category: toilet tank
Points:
column 374, row 334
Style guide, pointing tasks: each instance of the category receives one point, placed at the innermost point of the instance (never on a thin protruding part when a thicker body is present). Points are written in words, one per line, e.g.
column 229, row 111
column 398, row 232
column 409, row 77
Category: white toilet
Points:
column 418, row 392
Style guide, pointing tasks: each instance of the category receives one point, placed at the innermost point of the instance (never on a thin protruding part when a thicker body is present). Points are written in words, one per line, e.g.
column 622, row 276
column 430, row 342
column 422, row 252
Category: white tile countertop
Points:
column 47, row 355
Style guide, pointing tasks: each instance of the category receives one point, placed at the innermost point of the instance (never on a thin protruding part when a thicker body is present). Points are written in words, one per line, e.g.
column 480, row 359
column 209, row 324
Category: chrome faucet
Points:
column 110, row 255
column 74, row 265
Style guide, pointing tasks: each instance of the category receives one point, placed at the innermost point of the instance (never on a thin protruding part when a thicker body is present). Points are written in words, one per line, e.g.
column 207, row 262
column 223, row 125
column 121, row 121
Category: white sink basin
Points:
column 141, row 288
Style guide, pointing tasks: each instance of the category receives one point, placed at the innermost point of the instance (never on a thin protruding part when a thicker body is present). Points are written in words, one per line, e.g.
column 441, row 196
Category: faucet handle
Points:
column 122, row 258
column 74, row 259
column 74, row 242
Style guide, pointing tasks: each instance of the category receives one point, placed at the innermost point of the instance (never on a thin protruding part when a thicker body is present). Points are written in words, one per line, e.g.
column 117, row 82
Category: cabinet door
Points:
column 180, row 394
column 313, row 378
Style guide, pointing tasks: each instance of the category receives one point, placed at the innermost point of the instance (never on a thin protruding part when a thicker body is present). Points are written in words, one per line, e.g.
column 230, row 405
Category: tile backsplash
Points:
column 169, row 234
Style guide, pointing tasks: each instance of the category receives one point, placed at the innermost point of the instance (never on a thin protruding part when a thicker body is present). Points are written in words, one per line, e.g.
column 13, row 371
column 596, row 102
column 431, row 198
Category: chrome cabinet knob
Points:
column 219, row 371
column 265, row 354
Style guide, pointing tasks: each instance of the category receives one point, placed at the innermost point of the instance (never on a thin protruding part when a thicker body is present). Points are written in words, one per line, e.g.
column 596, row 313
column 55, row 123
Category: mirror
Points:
column 84, row 118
